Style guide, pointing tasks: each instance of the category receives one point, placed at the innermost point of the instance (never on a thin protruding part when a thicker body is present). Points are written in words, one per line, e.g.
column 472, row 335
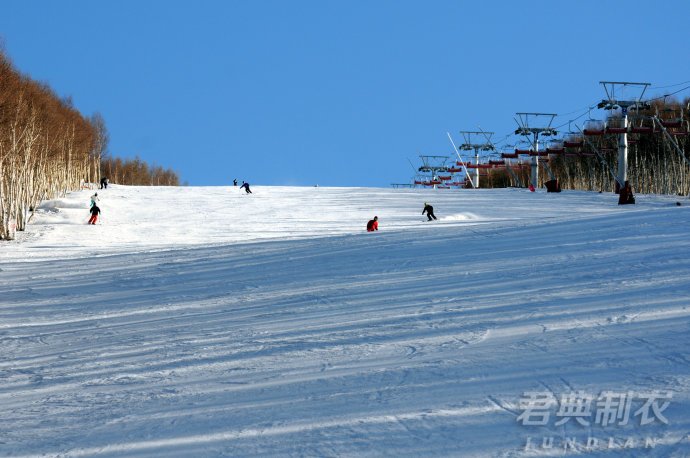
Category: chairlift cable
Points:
column 672, row 85
column 668, row 95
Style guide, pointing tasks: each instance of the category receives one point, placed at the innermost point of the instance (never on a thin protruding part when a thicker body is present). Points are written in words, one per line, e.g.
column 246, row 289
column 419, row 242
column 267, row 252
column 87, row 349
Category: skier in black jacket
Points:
column 429, row 211
column 94, row 214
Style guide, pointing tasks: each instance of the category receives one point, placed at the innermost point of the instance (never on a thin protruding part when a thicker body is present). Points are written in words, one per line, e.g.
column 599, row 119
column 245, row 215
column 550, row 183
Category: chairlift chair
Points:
column 641, row 129
column 555, row 146
column 526, row 152
column 614, row 125
column 573, row 140
column 641, row 124
column 594, row 127
column 671, row 117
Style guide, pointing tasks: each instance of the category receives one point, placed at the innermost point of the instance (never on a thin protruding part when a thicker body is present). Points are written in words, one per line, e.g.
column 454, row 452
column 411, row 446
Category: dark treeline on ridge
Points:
column 48, row 148
column 136, row 172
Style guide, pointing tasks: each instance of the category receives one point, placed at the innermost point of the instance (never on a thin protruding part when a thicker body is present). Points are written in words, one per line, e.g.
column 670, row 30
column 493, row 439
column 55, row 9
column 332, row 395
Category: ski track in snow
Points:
column 273, row 325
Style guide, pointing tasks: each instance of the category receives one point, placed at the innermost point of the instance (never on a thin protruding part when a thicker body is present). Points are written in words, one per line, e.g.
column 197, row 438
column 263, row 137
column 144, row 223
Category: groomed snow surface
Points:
column 200, row 321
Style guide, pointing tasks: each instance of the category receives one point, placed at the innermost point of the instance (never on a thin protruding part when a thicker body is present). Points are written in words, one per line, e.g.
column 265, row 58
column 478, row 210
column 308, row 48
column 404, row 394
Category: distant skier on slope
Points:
column 373, row 224
column 94, row 200
column 104, row 183
column 429, row 211
column 94, row 214
column 245, row 185
column 234, row 182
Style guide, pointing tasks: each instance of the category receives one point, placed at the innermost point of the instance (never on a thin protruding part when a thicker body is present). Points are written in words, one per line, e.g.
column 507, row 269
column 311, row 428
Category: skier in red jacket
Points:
column 373, row 224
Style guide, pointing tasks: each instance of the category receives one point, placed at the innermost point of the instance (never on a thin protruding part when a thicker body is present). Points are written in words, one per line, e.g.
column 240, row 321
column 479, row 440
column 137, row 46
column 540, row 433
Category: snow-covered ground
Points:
column 205, row 322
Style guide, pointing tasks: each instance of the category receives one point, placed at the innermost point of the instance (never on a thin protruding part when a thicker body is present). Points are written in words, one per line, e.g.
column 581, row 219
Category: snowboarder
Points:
column 373, row 224
column 234, row 182
column 626, row 195
column 94, row 214
column 245, row 185
column 94, row 200
column 429, row 211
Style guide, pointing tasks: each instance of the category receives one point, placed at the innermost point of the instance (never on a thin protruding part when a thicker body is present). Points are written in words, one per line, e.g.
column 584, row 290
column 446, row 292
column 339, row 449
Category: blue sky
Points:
column 334, row 93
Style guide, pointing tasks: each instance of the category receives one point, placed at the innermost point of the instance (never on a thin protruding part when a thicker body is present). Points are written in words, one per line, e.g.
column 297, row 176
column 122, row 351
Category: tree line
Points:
column 136, row 172
column 48, row 148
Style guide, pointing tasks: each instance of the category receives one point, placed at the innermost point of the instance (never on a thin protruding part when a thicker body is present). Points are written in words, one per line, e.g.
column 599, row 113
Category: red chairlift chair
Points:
column 594, row 127
column 573, row 140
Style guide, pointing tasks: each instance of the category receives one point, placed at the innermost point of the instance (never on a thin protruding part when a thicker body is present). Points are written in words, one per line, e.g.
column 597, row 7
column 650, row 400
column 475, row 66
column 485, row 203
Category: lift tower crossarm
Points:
column 525, row 129
column 433, row 165
column 469, row 145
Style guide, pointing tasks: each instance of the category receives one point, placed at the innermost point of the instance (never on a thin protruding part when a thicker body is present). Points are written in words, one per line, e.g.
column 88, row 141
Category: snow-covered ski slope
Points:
column 205, row 322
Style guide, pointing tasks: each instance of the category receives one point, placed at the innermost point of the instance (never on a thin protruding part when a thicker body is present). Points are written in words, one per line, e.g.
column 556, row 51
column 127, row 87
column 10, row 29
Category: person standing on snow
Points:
column 429, row 211
column 94, row 214
column 625, row 195
column 234, row 182
column 94, row 200
column 245, row 185
column 373, row 224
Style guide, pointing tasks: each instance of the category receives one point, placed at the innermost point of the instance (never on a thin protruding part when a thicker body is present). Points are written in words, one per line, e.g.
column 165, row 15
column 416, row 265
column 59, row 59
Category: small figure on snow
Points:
column 429, row 211
column 373, row 224
column 245, row 185
column 234, row 182
column 625, row 195
column 94, row 200
column 94, row 214
column 104, row 183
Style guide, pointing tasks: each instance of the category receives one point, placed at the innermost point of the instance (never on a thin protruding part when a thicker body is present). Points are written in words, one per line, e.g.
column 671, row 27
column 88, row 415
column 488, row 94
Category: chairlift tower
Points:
column 611, row 103
column 469, row 145
column 526, row 128
column 433, row 165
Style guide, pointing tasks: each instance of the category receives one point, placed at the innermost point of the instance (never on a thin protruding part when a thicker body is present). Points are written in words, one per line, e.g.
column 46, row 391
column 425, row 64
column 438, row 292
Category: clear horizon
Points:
column 306, row 93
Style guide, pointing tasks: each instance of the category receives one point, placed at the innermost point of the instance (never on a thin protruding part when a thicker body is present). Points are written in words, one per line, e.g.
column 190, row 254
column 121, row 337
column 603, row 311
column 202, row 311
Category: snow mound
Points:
column 57, row 204
column 460, row 217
